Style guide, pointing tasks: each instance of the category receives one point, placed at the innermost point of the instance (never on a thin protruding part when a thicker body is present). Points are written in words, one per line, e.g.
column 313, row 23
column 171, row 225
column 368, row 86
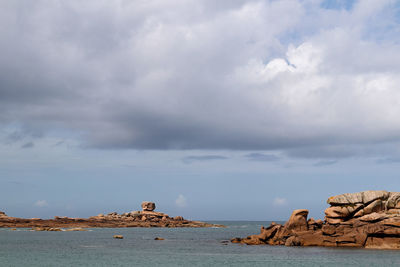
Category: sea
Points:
column 181, row 247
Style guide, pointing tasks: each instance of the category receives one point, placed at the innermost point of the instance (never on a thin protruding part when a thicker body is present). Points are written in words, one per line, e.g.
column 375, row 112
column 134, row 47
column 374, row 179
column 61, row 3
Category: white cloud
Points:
column 181, row 201
column 279, row 201
column 41, row 203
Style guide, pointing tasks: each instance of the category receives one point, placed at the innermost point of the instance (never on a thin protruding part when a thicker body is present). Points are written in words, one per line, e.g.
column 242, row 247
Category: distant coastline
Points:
column 145, row 218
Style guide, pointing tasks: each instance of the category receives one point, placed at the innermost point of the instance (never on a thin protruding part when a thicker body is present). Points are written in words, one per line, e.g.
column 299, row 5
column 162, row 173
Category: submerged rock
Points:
column 369, row 219
column 75, row 229
column 51, row 229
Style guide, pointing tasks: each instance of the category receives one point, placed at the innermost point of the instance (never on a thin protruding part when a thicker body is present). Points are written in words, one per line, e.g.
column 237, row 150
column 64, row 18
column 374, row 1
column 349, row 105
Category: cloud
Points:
column 261, row 157
column 325, row 163
column 12, row 136
column 278, row 201
column 28, row 145
column 203, row 75
column 181, row 201
column 338, row 4
column 388, row 160
column 191, row 159
column 59, row 143
column 41, row 203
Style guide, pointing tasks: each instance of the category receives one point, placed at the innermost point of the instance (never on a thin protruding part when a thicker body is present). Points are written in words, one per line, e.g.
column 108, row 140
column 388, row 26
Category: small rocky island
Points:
column 369, row 219
column 145, row 218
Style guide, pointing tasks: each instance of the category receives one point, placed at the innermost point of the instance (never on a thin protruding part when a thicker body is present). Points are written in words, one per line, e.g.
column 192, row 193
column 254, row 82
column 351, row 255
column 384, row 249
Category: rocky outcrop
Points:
column 148, row 206
column 145, row 218
column 369, row 219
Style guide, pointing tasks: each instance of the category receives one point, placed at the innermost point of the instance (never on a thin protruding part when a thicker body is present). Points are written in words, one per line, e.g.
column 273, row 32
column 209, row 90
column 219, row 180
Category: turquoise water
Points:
column 181, row 247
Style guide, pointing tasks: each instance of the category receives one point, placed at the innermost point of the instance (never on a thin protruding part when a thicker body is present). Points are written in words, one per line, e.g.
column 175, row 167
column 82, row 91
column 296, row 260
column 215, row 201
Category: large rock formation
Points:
column 369, row 219
column 145, row 218
column 148, row 206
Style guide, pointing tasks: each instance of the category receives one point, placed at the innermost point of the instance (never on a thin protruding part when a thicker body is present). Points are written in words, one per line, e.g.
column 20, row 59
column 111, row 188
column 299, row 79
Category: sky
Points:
column 215, row 110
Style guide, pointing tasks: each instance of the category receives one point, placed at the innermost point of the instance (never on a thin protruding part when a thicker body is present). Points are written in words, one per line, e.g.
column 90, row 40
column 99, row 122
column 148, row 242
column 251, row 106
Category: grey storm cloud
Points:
column 202, row 74
column 325, row 163
column 28, row 145
column 262, row 157
column 388, row 161
column 191, row 159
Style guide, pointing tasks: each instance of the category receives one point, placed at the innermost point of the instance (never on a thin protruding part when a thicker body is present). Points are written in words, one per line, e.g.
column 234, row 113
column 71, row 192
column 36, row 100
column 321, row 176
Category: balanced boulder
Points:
column 148, row 206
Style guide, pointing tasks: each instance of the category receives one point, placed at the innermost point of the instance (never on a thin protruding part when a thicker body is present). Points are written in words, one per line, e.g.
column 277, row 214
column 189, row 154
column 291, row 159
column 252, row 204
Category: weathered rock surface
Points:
column 369, row 219
column 148, row 206
column 146, row 218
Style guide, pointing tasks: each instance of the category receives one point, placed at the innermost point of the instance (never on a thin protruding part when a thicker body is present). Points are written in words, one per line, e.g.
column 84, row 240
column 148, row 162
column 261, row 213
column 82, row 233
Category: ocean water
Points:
column 181, row 247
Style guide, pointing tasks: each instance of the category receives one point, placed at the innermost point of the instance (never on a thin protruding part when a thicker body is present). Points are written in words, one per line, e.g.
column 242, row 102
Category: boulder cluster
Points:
column 369, row 219
column 147, row 217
